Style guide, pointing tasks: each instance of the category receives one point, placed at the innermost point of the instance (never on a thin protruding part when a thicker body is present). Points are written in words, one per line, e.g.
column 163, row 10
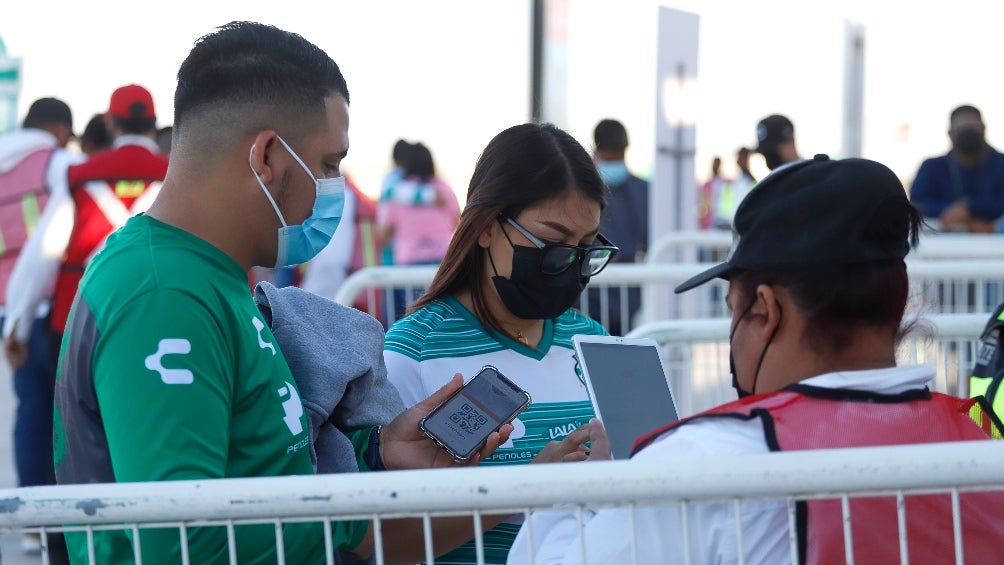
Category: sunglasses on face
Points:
column 556, row 258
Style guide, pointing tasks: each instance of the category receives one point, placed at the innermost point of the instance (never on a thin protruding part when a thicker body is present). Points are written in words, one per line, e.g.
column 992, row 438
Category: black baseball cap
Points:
column 772, row 130
column 46, row 111
column 818, row 212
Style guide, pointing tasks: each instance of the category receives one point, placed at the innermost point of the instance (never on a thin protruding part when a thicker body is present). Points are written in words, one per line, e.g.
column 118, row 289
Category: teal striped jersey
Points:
column 426, row 348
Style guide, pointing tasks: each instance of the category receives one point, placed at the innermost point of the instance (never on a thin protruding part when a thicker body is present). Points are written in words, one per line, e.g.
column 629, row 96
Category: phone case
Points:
column 464, row 457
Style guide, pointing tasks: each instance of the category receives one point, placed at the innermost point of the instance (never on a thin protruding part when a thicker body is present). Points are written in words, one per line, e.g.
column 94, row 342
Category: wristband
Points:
column 372, row 456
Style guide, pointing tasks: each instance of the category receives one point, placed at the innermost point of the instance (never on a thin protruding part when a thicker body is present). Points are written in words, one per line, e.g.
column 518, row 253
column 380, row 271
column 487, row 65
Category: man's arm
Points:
column 406, row 448
column 38, row 262
column 928, row 191
column 987, row 205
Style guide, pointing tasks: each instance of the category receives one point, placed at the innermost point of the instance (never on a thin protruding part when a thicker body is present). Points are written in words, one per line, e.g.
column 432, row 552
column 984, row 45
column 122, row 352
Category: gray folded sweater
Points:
column 336, row 356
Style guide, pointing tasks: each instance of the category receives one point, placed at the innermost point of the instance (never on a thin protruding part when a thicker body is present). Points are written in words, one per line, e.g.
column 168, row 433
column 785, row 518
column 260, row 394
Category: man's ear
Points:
column 767, row 308
column 260, row 157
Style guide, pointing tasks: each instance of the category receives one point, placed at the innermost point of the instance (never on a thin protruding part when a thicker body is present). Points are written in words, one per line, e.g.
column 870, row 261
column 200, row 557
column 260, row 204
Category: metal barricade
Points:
column 937, row 286
column 675, row 246
column 898, row 472
column 696, row 355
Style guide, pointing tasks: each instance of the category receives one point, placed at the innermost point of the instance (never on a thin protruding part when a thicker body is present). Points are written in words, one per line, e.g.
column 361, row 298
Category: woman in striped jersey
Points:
column 525, row 247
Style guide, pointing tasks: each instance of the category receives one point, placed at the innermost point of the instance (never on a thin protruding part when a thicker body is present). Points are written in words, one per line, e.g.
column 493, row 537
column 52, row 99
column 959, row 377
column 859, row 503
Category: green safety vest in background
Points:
column 988, row 372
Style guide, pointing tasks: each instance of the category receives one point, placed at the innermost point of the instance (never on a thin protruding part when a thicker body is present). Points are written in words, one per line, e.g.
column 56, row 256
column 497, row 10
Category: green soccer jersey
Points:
column 169, row 372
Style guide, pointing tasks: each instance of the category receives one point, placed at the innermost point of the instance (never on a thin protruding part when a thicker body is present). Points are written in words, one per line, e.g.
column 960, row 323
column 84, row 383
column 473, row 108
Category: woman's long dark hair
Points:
column 520, row 167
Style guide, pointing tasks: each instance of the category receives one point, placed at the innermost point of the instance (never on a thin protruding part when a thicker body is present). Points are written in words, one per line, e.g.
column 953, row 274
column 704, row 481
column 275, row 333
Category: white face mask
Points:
column 299, row 244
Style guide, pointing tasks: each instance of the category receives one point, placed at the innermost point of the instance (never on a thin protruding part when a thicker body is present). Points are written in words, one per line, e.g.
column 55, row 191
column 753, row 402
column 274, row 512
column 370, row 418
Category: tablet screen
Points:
column 628, row 389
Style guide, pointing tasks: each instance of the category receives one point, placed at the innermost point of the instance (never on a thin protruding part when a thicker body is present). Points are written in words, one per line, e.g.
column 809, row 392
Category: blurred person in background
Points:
column 95, row 137
column 104, row 192
column 706, row 195
column 624, row 220
column 775, row 136
column 987, row 376
column 732, row 191
column 419, row 232
column 393, row 190
column 33, row 164
column 963, row 190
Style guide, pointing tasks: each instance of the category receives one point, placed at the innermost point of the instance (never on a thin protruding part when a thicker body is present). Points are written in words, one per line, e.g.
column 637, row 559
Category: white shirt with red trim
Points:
column 711, row 530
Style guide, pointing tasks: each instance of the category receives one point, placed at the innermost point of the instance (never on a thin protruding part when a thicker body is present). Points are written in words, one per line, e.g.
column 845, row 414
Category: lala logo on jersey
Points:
column 171, row 347
column 292, row 407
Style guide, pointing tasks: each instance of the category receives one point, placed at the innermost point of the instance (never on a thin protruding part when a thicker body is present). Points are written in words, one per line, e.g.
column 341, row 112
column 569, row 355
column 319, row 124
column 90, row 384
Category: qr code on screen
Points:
column 468, row 418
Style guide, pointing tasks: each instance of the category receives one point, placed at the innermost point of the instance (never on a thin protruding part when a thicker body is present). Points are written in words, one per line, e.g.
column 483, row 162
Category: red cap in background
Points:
column 131, row 101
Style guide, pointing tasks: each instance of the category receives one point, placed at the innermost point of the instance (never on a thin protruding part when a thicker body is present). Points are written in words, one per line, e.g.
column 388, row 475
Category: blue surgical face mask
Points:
column 613, row 173
column 299, row 244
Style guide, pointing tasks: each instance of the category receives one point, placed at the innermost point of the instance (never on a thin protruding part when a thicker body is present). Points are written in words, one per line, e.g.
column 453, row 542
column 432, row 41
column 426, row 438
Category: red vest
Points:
column 23, row 194
column 106, row 191
column 802, row 417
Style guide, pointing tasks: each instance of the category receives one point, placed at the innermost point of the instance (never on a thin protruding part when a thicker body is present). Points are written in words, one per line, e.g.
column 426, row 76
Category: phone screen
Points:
column 466, row 419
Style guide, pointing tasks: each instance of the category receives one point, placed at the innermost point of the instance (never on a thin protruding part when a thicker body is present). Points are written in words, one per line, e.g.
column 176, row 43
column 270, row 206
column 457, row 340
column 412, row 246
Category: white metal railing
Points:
column 695, row 354
column 840, row 474
column 933, row 245
column 938, row 286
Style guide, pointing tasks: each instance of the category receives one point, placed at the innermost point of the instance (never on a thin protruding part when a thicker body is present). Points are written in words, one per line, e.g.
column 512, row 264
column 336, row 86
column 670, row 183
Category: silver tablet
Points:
column 627, row 386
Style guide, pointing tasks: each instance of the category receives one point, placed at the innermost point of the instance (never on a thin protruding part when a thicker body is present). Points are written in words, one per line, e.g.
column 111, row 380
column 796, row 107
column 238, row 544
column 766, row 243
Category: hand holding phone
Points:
column 462, row 423
column 403, row 446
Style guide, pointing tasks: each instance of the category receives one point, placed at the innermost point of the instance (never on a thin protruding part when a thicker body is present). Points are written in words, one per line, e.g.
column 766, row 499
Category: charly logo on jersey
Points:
column 171, row 346
column 259, row 327
column 292, row 407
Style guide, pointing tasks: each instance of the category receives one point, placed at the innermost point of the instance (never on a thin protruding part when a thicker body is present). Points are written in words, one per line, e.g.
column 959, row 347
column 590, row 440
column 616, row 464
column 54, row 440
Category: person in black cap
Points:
column 776, row 141
column 818, row 287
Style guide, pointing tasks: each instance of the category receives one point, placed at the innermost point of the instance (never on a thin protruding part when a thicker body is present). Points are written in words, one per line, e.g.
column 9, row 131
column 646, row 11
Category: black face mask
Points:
column 530, row 294
column 732, row 360
column 969, row 141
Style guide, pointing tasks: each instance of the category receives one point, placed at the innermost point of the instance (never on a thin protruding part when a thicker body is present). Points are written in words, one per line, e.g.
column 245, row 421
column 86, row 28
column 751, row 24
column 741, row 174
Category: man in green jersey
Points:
column 167, row 370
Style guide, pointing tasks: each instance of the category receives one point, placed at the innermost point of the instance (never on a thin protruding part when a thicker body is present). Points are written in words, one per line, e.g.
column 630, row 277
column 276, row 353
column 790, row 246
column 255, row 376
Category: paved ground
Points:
column 10, row 552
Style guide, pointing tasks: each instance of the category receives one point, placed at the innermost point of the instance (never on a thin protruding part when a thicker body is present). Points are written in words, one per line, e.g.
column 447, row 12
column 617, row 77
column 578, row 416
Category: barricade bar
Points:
column 972, row 465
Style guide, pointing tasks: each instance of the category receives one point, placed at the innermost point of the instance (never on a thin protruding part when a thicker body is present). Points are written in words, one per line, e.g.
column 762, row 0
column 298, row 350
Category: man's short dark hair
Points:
column 418, row 162
column 244, row 64
column 96, row 133
column 610, row 135
column 965, row 109
column 400, row 151
column 135, row 125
